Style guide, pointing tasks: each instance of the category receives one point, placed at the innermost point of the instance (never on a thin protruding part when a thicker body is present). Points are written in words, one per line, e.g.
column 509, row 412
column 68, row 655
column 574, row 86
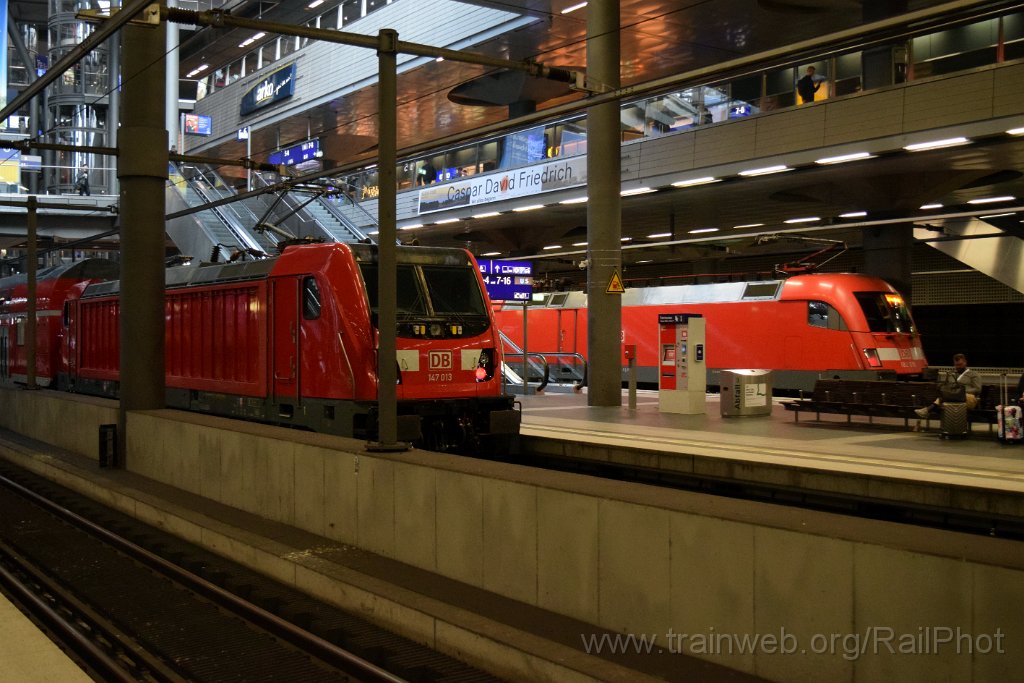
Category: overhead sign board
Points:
column 508, row 280
column 275, row 87
column 296, row 154
column 496, row 187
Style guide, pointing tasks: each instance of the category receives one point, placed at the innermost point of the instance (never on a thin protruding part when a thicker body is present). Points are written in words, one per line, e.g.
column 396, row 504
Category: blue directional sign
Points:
column 296, row 154
column 508, row 280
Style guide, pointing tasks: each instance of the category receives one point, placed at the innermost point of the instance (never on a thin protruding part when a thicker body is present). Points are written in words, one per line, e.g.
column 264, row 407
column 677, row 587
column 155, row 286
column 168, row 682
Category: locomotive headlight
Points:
column 435, row 329
column 419, row 329
column 455, row 329
column 485, row 365
column 873, row 360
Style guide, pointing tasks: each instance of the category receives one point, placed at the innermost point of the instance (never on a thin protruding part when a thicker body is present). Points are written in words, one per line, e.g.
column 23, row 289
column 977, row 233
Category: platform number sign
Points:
column 508, row 280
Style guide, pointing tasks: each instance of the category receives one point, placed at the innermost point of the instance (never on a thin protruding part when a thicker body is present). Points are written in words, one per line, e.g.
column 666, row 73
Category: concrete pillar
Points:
column 604, row 210
column 387, row 306
column 887, row 254
column 142, row 172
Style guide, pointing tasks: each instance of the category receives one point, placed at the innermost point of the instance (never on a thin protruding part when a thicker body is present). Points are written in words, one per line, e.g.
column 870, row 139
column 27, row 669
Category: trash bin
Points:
column 746, row 392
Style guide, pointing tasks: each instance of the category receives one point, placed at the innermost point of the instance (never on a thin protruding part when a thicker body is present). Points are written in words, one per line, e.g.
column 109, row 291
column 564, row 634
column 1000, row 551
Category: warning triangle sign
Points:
column 615, row 284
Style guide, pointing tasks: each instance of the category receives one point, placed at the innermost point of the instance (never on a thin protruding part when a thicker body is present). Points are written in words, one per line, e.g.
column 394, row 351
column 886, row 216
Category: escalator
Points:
column 312, row 212
column 204, row 233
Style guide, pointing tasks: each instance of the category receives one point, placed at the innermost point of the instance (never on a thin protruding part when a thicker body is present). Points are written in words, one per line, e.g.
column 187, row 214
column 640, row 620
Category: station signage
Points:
column 496, row 187
column 296, row 154
column 507, row 280
column 197, row 124
column 273, row 88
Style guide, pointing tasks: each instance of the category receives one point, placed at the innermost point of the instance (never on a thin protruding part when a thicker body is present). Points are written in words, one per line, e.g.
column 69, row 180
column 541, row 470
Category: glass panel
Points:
column 454, row 290
column 310, row 299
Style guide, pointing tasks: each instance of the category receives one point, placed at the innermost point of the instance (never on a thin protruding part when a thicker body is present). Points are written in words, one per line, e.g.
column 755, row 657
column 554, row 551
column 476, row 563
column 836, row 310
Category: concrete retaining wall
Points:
column 67, row 421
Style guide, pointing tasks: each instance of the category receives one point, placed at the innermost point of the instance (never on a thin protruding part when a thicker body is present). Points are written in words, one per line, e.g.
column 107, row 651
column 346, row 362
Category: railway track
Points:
column 132, row 603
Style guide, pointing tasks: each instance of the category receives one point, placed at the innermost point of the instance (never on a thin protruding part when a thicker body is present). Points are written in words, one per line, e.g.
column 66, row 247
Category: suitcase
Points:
column 1008, row 419
column 954, row 421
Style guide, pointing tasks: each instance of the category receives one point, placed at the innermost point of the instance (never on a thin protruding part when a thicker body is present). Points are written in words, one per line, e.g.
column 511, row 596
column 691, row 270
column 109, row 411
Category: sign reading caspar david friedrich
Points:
column 495, row 187
column 273, row 88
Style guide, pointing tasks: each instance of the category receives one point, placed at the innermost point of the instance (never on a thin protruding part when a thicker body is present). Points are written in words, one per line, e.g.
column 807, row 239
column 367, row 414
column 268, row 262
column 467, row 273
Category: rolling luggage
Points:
column 954, row 421
column 1008, row 418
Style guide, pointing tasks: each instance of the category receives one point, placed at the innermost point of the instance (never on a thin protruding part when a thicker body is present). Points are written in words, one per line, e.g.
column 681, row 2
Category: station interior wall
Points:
column 625, row 557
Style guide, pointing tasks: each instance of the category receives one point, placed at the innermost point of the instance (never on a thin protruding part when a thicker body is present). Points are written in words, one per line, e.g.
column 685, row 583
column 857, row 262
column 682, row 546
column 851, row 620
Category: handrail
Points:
column 540, row 360
column 296, row 207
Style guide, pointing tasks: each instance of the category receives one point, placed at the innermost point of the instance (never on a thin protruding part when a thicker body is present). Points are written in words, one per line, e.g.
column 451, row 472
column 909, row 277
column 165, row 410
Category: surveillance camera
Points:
column 583, row 264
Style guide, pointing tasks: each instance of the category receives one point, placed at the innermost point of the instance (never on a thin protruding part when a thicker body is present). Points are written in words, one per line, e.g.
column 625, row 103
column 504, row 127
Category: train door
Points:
column 285, row 342
column 567, row 321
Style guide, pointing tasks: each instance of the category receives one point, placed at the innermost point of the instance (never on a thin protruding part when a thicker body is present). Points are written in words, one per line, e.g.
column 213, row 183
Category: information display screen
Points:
column 508, row 280
column 296, row 154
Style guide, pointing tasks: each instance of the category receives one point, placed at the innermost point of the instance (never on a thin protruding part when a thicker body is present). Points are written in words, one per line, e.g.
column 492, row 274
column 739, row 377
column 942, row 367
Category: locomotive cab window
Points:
column 310, row 299
column 885, row 312
column 454, row 290
column 821, row 314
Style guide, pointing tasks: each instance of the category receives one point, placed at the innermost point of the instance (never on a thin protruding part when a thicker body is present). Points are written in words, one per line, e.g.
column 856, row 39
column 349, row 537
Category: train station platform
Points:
column 881, row 459
column 28, row 656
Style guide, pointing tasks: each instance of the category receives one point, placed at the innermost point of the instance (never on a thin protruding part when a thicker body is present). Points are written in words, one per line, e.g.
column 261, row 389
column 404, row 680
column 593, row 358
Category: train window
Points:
column 408, row 292
column 454, row 290
column 820, row 314
column 67, row 313
column 310, row 299
column 885, row 312
column 761, row 290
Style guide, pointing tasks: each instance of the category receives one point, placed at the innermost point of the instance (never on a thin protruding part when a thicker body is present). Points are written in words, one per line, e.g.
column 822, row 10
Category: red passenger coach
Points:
column 803, row 328
column 53, row 286
column 293, row 340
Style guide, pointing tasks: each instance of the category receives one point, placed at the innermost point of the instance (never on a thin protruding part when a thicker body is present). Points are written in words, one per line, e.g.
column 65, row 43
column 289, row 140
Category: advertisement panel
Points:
column 496, row 187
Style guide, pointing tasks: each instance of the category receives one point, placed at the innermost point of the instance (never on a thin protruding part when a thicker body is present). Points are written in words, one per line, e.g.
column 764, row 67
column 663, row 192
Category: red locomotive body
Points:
column 804, row 327
column 293, row 340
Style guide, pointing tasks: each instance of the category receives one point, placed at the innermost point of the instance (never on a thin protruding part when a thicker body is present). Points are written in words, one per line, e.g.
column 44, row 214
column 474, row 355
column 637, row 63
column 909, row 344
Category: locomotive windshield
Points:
column 885, row 312
column 430, row 290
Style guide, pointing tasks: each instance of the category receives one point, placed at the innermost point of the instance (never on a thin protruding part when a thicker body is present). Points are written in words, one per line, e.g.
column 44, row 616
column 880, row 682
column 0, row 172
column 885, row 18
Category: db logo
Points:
column 440, row 360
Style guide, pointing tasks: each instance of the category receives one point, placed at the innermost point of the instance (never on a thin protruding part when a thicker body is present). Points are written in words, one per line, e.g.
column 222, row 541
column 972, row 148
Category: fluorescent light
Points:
column 748, row 225
column 992, row 200
column 314, row 4
column 198, row 70
column 697, row 231
column 1016, row 131
column 925, row 207
column 443, row 221
column 439, row 59
column 808, row 219
column 767, row 170
column 488, row 214
column 492, row 253
column 637, row 190
column 531, row 207
column 372, row 232
column 854, row 214
column 573, row 8
column 249, row 41
column 552, row 246
column 843, row 158
column 645, row 260
column 696, row 181
column 999, row 215
column 574, row 200
column 659, row 235
column 625, row 239
column 413, row 226
column 936, row 144
column 579, row 244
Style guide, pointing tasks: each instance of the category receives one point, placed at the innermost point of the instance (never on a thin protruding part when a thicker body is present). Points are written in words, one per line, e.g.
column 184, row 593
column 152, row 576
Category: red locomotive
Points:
column 292, row 340
column 804, row 327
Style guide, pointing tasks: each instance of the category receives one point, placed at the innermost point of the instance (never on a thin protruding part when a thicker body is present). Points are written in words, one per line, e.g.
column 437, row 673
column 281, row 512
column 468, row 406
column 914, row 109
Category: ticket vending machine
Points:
column 682, row 372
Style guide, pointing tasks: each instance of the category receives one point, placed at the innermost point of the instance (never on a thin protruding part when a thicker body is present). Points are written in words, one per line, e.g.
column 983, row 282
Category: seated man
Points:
column 969, row 378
